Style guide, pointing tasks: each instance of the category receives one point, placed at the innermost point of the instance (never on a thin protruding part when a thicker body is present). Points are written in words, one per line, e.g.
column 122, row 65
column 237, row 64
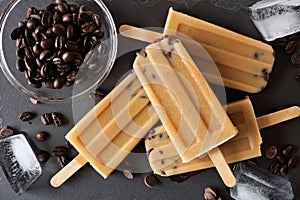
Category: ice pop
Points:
column 189, row 110
column 109, row 132
column 243, row 63
column 165, row 161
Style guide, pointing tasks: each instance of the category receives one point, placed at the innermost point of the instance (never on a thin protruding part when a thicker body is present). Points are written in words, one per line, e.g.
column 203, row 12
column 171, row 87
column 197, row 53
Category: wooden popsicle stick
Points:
column 222, row 167
column 278, row 117
column 66, row 172
column 139, row 33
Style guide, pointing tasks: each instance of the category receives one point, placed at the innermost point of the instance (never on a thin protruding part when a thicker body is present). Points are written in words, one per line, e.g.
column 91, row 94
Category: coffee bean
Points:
column 49, row 84
column 46, row 119
column 97, row 20
column 26, row 116
column 292, row 162
column 47, row 19
column 81, row 8
column 275, row 167
column 16, row 33
column 291, row 46
column 49, row 33
column 71, row 57
column 287, row 151
column 280, row 158
column 71, row 45
column 59, row 151
column 71, row 76
column 98, row 33
column 94, row 41
column 70, row 31
column 47, row 43
column 84, row 17
column 58, row 29
column 69, row 145
column 6, row 131
column 271, row 152
column 88, row 27
column 34, row 83
column 210, row 194
column 283, row 170
column 128, row 174
column 36, row 16
column 150, row 180
column 32, row 24
column 31, row 11
column 98, row 95
column 74, row 7
column 21, row 65
column 56, row 17
column 62, row 161
column 21, row 53
column 42, row 156
column 296, row 58
column 37, row 49
column 57, row 84
column 57, row 61
column 51, row 7
column 59, row 42
column 29, row 54
column 63, row 8
column 57, row 119
column 41, row 136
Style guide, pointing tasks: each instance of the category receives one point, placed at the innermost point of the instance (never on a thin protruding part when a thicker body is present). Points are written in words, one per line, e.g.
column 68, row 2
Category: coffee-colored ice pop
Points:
column 165, row 161
column 243, row 63
column 109, row 132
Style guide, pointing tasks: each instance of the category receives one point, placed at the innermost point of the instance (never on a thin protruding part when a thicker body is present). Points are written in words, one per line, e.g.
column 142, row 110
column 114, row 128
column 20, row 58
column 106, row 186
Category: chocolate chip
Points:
column 150, row 180
column 41, row 136
column 128, row 174
column 6, row 132
column 271, row 152
column 26, row 116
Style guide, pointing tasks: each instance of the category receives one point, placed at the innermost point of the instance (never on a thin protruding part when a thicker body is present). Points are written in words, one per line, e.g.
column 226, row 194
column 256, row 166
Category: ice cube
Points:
column 276, row 18
column 254, row 182
column 19, row 162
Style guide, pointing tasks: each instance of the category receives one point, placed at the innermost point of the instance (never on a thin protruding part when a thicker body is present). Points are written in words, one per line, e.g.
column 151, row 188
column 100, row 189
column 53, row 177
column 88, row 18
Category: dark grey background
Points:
column 283, row 91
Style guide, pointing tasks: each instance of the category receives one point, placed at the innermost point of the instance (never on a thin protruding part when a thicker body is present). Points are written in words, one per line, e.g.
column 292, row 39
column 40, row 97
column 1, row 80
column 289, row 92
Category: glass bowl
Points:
column 90, row 74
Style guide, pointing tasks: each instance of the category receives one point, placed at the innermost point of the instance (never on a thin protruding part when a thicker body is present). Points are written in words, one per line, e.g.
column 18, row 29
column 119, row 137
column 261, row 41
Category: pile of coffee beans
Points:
column 52, row 43
column 291, row 47
column 283, row 160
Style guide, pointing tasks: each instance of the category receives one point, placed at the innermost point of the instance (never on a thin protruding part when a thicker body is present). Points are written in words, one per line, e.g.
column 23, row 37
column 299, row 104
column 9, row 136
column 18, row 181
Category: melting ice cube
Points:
column 276, row 18
column 254, row 182
column 19, row 162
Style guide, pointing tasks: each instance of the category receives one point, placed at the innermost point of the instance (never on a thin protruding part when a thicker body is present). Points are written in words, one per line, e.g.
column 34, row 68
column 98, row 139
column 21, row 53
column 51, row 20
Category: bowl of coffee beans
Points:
column 57, row 50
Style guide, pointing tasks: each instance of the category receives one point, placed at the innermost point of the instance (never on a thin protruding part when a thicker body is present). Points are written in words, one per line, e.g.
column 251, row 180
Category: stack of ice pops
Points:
column 168, row 86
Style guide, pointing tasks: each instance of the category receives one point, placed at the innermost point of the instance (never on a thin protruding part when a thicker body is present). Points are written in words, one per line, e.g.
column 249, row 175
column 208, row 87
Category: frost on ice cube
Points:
column 254, row 182
column 276, row 18
column 19, row 162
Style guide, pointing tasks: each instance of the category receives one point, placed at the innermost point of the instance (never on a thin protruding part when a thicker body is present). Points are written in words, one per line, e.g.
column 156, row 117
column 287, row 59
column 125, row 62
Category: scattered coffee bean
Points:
column 291, row 46
column 57, row 119
column 281, row 158
column 296, row 58
column 128, row 174
column 210, row 194
column 46, row 119
column 69, row 145
column 42, row 156
column 271, row 152
column 275, row 167
column 292, row 162
column 283, row 170
column 41, row 136
column 97, row 95
column 62, row 161
column 26, row 116
column 59, row 151
column 150, row 180
column 6, row 131
column 287, row 151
